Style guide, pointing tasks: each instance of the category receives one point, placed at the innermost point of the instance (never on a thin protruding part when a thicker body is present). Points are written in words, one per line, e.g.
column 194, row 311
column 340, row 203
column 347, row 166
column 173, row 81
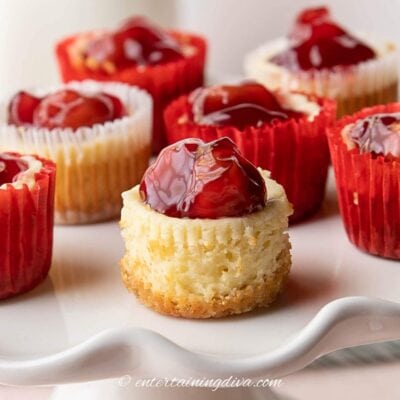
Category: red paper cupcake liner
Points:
column 26, row 231
column 164, row 82
column 295, row 151
column 368, row 188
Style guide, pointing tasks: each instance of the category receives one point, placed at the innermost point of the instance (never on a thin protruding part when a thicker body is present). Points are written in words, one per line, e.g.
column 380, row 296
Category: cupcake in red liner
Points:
column 26, row 221
column 98, row 134
column 166, row 64
column 321, row 57
column 281, row 132
column 365, row 150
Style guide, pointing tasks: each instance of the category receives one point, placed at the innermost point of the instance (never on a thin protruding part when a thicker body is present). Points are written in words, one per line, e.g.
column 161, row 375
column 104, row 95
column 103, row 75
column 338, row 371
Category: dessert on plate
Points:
column 205, row 232
column 283, row 132
column 365, row 151
column 164, row 63
column 323, row 58
column 26, row 221
column 99, row 135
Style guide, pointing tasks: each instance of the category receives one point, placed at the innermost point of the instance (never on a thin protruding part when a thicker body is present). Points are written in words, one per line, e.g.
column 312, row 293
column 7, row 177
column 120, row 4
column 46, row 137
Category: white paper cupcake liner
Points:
column 94, row 165
column 356, row 87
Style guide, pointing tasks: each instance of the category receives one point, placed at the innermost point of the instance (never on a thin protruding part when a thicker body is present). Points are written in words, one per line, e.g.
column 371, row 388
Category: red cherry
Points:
column 313, row 15
column 70, row 109
column 10, row 166
column 246, row 104
column 316, row 42
column 136, row 43
column 378, row 134
column 21, row 108
column 194, row 179
column 119, row 110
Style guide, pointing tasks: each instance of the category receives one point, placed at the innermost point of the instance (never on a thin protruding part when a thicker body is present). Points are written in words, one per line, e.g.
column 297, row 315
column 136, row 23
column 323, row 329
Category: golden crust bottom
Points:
column 261, row 294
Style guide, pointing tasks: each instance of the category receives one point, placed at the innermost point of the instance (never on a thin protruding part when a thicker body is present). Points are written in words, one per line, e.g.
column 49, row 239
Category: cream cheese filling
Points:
column 300, row 103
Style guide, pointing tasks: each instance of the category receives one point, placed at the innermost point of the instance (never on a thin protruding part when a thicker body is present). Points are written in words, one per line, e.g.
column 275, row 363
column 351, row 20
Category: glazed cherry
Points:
column 64, row 109
column 378, row 134
column 316, row 42
column 242, row 105
column 194, row 179
column 135, row 43
column 70, row 109
column 21, row 108
column 10, row 166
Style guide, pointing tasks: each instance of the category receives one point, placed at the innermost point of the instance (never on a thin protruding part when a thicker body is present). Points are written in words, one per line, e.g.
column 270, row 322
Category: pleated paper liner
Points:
column 295, row 151
column 164, row 82
column 26, row 231
column 94, row 165
column 356, row 87
column 368, row 188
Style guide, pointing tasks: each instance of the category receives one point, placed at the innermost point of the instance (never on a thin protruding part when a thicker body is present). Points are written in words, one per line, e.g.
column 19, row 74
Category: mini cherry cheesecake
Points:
column 322, row 58
column 98, row 134
column 164, row 63
column 365, row 151
column 27, row 185
column 284, row 133
column 205, row 232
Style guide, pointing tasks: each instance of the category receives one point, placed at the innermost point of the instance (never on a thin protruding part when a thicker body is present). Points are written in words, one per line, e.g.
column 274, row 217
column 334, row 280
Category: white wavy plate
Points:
column 81, row 324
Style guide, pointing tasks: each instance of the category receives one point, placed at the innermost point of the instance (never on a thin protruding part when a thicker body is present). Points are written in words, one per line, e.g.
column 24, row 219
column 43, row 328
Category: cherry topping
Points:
column 64, row 109
column 136, row 43
column 21, row 108
column 378, row 134
column 10, row 167
column 203, row 180
column 242, row 105
column 70, row 109
column 316, row 42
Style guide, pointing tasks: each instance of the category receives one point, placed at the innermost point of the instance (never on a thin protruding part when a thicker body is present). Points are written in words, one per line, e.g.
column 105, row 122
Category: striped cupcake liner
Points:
column 295, row 151
column 164, row 82
column 26, row 231
column 94, row 165
column 368, row 188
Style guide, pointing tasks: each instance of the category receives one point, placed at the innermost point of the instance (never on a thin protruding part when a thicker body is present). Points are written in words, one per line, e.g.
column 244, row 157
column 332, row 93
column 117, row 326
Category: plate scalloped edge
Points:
column 342, row 323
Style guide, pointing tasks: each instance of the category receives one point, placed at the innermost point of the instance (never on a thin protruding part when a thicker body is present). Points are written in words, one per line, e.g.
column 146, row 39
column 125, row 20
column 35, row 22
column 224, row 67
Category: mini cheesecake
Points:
column 98, row 134
column 164, row 63
column 26, row 221
column 283, row 132
column 365, row 152
column 205, row 233
column 320, row 57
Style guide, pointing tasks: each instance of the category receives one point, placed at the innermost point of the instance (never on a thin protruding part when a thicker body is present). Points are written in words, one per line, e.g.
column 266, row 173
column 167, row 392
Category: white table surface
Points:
column 367, row 382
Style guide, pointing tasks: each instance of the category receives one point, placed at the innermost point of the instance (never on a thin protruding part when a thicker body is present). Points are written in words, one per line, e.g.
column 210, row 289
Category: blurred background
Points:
column 29, row 28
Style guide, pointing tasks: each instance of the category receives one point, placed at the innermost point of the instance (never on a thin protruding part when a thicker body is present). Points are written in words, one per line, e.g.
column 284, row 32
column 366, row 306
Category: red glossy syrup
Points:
column 242, row 105
column 194, row 179
column 21, row 108
column 135, row 43
column 10, row 167
column 317, row 42
column 378, row 134
column 64, row 109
